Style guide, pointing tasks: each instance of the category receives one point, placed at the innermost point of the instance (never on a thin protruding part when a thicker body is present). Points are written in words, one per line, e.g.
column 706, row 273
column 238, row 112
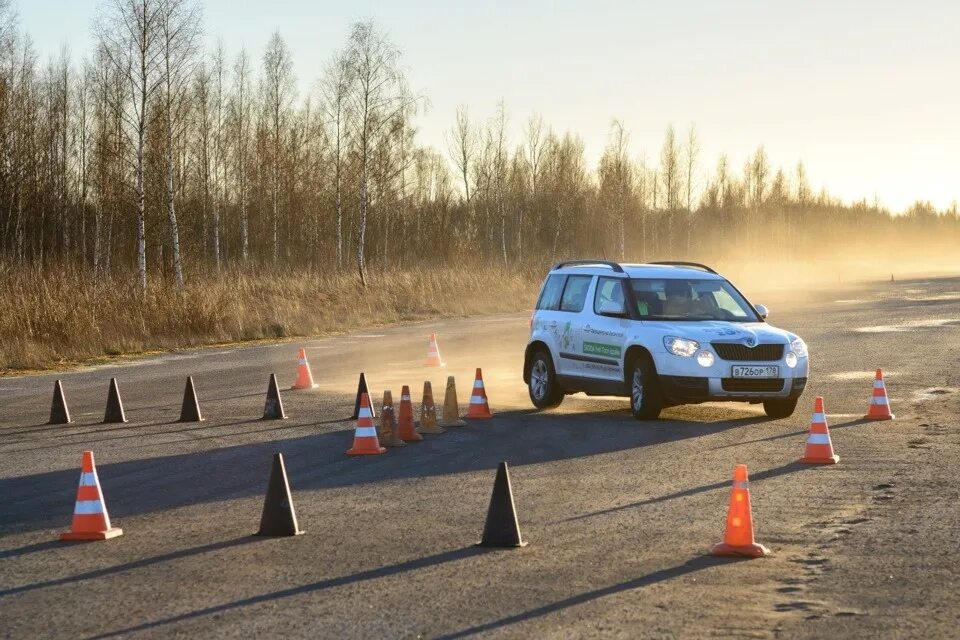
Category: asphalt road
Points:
column 618, row 514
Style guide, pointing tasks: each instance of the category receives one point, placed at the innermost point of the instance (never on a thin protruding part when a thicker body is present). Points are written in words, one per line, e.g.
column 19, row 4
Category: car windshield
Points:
column 682, row 299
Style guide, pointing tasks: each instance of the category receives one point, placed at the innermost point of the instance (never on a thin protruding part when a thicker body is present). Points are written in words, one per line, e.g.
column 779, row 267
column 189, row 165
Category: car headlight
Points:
column 681, row 346
column 705, row 358
column 790, row 359
column 799, row 347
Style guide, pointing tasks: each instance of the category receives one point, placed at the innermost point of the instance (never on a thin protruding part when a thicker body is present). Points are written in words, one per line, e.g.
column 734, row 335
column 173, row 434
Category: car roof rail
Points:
column 693, row 265
column 581, row 263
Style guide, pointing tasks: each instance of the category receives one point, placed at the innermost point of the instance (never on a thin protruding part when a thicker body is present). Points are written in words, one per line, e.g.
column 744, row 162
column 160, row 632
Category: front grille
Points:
column 752, row 384
column 743, row 353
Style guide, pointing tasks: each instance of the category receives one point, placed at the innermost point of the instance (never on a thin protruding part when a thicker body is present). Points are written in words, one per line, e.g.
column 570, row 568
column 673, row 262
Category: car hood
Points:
column 745, row 333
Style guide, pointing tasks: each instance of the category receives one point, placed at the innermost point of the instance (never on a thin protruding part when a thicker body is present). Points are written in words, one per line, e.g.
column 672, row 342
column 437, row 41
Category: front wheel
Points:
column 545, row 391
column 646, row 399
column 777, row 409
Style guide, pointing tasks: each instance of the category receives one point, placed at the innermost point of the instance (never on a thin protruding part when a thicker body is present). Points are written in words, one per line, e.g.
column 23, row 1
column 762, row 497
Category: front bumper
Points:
column 692, row 389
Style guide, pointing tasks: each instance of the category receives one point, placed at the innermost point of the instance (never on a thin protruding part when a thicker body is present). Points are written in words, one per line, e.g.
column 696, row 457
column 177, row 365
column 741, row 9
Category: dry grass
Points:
column 49, row 319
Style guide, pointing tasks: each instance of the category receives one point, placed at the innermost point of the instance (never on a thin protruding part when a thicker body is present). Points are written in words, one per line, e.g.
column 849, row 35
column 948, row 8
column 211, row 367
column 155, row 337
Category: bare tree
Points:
column 128, row 33
column 691, row 153
column 378, row 95
column 279, row 88
column 461, row 143
column 219, row 146
column 336, row 86
column 179, row 34
column 616, row 180
column 241, row 106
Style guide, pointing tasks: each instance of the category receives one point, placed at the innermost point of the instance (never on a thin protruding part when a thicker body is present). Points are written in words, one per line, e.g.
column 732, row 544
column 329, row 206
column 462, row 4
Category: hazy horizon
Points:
column 862, row 98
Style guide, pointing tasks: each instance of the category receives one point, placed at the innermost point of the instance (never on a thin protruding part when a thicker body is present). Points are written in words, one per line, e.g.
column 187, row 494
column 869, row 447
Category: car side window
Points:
column 608, row 290
column 575, row 293
column 550, row 296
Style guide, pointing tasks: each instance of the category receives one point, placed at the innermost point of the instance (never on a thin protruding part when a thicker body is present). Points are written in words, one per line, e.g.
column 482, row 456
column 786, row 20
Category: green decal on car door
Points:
column 603, row 350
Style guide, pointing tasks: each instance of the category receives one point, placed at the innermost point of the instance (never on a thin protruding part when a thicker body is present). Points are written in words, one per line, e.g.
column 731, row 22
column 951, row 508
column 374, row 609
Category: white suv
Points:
column 664, row 333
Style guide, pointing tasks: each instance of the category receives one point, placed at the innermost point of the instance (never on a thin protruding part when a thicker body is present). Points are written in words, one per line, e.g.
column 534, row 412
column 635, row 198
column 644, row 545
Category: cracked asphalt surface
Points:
column 619, row 514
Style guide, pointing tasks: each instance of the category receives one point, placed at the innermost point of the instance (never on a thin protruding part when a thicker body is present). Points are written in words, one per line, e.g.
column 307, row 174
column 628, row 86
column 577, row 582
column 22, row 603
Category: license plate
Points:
column 746, row 371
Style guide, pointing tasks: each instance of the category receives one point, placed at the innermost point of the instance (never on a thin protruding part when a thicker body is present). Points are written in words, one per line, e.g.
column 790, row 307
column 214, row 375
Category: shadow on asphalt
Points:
column 754, row 477
column 691, row 566
column 794, row 434
column 329, row 583
column 127, row 566
column 319, row 462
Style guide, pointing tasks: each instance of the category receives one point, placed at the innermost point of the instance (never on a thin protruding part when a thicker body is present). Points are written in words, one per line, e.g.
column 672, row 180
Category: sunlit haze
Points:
column 865, row 94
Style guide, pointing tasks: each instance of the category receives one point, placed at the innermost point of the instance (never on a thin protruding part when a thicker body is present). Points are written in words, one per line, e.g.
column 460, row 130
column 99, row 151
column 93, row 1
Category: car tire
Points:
column 544, row 388
column 646, row 398
column 777, row 409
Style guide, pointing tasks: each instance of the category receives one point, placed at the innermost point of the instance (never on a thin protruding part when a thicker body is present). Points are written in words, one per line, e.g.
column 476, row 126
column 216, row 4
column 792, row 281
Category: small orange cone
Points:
column 388, row 423
column 433, row 353
column 304, row 377
column 479, row 408
column 879, row 403
column 451, row 408
column 738, row 537
column 405, row 427
column 428, row 412
column 365, row 442
column 90, row 519
column 819, row 446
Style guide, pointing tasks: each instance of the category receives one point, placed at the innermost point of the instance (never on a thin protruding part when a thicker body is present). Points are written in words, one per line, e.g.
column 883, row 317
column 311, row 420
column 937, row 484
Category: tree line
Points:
column 156, row 158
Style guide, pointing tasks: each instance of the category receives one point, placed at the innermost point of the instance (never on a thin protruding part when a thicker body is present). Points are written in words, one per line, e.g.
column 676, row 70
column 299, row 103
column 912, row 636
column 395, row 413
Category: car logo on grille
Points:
column 751, row 341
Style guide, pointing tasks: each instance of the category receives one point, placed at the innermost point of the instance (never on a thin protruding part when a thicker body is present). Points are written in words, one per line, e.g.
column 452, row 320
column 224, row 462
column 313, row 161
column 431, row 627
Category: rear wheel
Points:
column 646, row 399
column 777, row 409
column 545, row 391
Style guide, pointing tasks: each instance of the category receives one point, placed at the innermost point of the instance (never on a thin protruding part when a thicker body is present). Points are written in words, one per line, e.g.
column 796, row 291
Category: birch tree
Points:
column 128, row 33
column 378, row 95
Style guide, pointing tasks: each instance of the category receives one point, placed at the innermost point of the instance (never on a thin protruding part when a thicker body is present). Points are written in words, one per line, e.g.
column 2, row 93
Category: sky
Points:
column 866, row 94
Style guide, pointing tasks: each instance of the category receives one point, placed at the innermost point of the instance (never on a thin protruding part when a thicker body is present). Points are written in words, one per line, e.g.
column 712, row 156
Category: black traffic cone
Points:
column 114, row 412
column 59, row 414
column 502, row 528
column 279, row 517
column 273, row 407
column 190, row 411
column 361, row 389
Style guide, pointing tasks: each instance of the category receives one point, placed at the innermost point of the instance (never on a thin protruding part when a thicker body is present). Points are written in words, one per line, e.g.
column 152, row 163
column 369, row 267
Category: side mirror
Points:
column 611, row 308
column 762, row 310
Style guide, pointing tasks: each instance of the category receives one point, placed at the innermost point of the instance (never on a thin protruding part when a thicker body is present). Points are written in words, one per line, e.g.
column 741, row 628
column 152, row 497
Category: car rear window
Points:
column 575, row 293
column 550, row 296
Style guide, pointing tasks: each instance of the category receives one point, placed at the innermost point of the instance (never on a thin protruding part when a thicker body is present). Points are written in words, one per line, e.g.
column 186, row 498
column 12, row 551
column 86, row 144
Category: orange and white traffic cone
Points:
column 405, row 427
column 433, row 353
column 365, row 441
column 879, row 403
column 479, row 407
column 738, row 536
column 428, row 412
column 304, row 377
column 90, row 518
column 819, row 446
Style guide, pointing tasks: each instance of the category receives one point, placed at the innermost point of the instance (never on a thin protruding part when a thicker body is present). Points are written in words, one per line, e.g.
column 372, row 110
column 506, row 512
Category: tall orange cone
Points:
column 738, row 537
column 388, row 423
column 304, row 377
column 879, row 403
column 479, row 408
column 451, row 408
column 433, row 353
column 428, row 412
column 365, row 442
column 90, row 519
column 405, row 426
column 819, row 446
